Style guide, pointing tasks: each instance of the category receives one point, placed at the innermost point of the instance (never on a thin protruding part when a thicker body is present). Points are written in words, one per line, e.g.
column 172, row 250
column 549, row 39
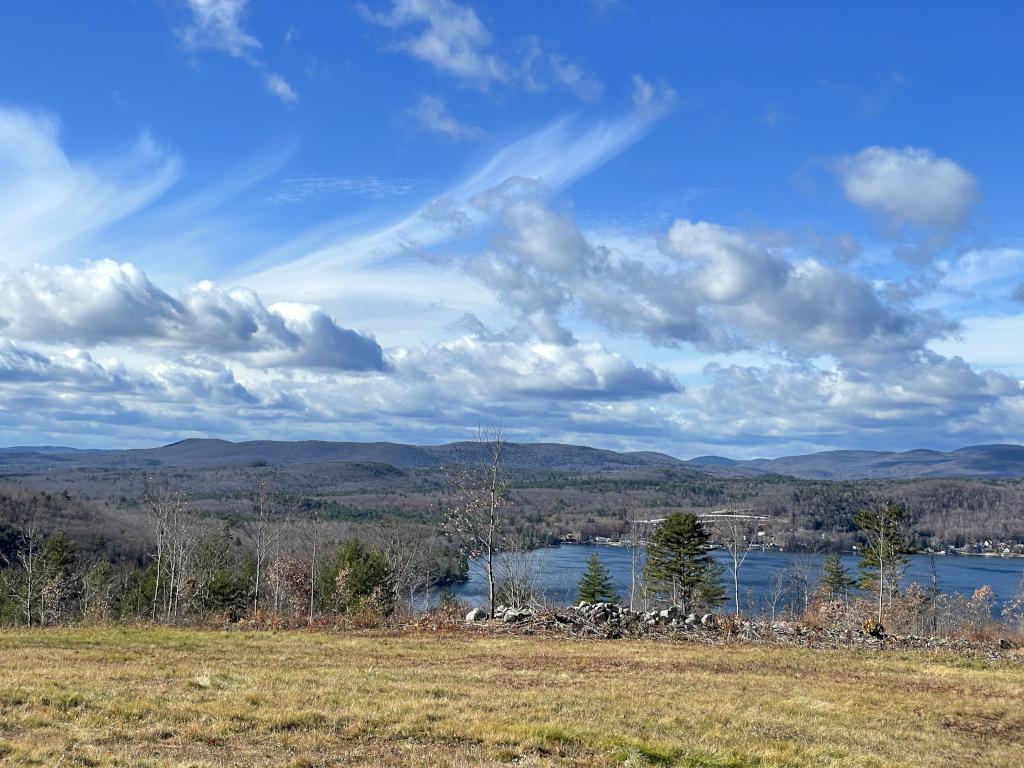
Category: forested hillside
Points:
column 102, row 508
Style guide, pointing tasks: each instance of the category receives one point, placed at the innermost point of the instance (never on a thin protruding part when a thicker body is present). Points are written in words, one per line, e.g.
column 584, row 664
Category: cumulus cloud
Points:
column 431, row 114
column 73, row 373
column 494, row 369
column 451, row 38
column 49, row 200
column 711, row 286
column 218, row 25
column 929, row 394
column 910, row 186
column 804, row 307
column 105, row 302
column 448, row 36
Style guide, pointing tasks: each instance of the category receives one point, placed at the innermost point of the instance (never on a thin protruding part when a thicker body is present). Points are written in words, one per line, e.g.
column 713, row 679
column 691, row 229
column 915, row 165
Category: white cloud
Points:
column 278, row 86
column 301, row 188
column 651, row 96
column 217, row 25
column 542, row 67
column 942, row 398
column 449, row 36
column 109, row 303
column 345, row 263
column 49, row 201
column 910, row 186
column 984, row 270
column 711, row 286
column 495, row 369
column 431, row 113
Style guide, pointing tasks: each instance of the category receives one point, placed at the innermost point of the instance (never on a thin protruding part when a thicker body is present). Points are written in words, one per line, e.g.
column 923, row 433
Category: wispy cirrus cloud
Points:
column 302, row 188
column 345, row 259
column 49, row 201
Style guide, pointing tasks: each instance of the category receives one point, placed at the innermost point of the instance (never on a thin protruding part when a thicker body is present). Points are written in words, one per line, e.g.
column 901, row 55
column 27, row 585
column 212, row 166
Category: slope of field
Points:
column 148, row 697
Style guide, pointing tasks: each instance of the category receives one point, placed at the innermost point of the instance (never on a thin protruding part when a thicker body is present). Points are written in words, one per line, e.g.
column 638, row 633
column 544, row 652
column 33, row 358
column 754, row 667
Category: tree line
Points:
column 270, row 565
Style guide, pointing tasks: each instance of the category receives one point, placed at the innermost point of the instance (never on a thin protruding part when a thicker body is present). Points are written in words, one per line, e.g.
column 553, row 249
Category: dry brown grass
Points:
column 154, row 697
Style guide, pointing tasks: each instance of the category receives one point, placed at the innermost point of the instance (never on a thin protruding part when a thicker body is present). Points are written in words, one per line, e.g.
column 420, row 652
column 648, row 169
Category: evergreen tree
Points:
column 711, row 593
column 679, row 567
column 596, row 583
column 356, row 574
column 835, row 581
column 58, row 556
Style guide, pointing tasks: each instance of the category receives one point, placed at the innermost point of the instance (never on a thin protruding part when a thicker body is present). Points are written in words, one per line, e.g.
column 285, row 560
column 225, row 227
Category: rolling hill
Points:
column 979, row 461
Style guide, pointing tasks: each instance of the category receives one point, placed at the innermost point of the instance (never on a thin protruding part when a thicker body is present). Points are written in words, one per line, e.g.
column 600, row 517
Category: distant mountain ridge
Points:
column 978, row 461
column 973, row 461
column 196, row 452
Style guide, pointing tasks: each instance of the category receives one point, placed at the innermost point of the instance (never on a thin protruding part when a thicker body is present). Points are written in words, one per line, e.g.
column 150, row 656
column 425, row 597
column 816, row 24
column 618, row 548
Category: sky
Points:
column 743, row 229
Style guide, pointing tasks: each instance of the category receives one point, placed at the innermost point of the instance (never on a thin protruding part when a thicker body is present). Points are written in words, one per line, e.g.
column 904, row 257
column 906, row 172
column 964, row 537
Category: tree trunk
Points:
column 490, row 578
column 881, row 570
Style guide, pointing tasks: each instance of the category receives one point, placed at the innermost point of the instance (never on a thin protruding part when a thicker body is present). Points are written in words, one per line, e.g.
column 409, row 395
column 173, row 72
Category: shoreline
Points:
column 846, row 552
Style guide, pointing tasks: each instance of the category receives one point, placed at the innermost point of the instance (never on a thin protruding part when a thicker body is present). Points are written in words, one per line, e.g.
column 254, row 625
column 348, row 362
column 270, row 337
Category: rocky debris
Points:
column 607, row 620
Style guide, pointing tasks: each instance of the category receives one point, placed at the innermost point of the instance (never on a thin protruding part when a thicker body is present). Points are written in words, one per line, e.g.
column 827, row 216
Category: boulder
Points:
column 709, row 620
column 477, row 614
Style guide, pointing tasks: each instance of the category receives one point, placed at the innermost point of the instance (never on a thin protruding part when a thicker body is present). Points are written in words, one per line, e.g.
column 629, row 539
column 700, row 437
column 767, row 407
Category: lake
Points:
column 559, row 570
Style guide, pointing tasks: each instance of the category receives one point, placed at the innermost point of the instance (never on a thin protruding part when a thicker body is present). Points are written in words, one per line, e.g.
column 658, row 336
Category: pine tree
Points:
column 835, row 581
column 596, row 583
column 679, row 567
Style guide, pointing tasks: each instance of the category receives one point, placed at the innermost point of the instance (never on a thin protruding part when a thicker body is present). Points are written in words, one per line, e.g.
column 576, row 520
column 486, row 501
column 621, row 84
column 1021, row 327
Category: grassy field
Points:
column 138, row 697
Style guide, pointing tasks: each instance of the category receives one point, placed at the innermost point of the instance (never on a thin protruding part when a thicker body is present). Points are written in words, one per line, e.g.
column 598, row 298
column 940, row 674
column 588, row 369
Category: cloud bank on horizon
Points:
column 474, row 214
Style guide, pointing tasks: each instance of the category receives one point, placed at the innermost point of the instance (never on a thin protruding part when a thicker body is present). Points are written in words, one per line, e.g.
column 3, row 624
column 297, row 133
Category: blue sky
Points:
column 733, row 228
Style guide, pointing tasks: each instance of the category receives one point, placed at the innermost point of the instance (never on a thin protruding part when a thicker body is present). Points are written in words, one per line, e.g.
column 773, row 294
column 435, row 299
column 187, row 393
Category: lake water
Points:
column 558, row 571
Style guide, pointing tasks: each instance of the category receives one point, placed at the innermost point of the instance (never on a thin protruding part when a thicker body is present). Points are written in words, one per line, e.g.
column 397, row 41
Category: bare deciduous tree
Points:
column 478, row 492
column 26, row 590
column 636, row 539
column 518, row 569
column 264, row 530
column 735, row 533
column 176, row 533
column 311, row 533
column 410, row 559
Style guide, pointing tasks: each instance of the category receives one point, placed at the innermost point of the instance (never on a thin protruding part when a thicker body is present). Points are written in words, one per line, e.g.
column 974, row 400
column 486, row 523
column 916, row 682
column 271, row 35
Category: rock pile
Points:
column 603, row 619
column 607, row 620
